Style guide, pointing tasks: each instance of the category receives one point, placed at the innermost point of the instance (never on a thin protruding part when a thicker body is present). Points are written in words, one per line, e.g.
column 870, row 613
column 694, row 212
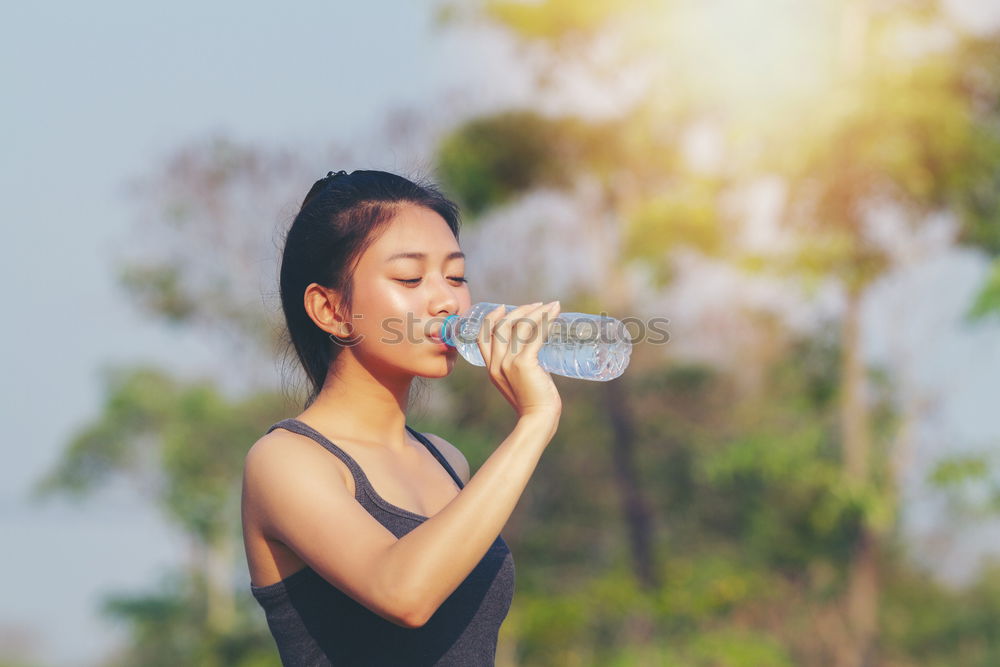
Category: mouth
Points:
column 435, row 339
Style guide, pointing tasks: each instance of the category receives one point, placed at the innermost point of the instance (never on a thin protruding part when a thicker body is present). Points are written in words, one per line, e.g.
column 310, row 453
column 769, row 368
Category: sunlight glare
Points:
column 754, row 59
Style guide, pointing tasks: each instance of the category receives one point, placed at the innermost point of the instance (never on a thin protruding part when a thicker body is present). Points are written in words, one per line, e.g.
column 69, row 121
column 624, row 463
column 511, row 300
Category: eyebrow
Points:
column 423, row 255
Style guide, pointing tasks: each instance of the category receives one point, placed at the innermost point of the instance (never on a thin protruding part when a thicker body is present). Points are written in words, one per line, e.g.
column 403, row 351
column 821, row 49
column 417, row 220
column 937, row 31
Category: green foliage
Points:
column 795, row 508
column 160, row 288
column 556, row 21
column 206, row 221
column 185, row 442
column 134, row 406
column 782, row 469
column 688, row 218
column 490, row 160
column 926, row 624
column 969, row 484
column 754, row 518
column 734, row 648
column 170, row 626
column 988, row 300
column 589, row 624
column 978, row 197
column 958, row 470
column 706, row 584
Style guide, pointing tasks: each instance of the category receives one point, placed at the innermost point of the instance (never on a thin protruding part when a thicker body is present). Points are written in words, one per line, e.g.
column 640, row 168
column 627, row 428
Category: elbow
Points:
column 413, row 621
column 404, row 618
column 412, row 605
column 408, row 611
column 416, row 616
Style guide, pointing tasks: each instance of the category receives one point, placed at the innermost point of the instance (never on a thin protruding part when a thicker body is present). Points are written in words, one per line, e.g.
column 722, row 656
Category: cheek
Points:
column 377, row 302
column 388, row 317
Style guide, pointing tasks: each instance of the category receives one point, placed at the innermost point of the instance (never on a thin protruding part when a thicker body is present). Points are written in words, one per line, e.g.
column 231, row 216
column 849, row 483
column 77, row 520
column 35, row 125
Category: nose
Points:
column 444, row 298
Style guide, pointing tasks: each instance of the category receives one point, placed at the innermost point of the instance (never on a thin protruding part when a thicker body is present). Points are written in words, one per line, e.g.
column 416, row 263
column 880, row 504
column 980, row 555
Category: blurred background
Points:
column 809, row 190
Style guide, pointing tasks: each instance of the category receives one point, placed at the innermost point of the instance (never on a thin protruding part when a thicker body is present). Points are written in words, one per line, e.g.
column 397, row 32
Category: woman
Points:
column 387, row 553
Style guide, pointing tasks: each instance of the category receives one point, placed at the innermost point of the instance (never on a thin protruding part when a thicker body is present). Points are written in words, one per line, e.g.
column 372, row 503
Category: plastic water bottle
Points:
column 588, row 347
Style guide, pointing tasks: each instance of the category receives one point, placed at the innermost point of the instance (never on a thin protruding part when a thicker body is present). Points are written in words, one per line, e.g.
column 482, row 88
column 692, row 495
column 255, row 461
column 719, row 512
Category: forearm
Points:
column 427, row 564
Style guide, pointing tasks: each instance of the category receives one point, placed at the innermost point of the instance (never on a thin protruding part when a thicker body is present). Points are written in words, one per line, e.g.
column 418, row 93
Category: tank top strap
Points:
column 300, row 427
column 360, row 478
column 440, row 457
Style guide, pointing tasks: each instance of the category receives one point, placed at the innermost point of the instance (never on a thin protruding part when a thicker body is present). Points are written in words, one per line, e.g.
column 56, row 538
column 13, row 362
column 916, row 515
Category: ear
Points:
column 323, row 305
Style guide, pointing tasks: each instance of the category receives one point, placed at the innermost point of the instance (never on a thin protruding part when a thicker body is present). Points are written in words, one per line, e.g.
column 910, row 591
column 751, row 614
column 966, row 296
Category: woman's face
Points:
column 405, row 284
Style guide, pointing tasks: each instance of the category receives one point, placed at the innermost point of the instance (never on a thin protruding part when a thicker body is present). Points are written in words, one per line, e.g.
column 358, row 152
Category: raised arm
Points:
column 300, row 500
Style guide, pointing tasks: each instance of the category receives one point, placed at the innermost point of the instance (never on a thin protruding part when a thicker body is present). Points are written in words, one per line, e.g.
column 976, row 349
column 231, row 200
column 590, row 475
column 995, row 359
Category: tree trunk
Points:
column 220, row 599
column 615, row 293
column 638, row 518
column 862, row 596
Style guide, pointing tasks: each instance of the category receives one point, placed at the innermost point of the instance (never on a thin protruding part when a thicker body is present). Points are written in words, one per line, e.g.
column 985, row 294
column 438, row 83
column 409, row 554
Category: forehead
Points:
column 413, row 229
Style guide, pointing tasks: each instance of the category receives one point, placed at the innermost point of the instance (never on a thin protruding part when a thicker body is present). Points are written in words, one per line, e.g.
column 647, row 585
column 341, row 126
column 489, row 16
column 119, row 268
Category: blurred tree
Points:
column 205, row 242
column 913, row 132
column 182, row 444
column 917, row 130
column 491, row 160
column 208, row 227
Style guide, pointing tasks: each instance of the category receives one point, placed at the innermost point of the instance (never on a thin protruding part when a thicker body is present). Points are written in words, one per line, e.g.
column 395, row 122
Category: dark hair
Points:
column 340, row 217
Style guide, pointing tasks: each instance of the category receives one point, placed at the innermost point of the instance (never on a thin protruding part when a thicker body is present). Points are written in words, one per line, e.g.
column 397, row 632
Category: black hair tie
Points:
column 331, row 174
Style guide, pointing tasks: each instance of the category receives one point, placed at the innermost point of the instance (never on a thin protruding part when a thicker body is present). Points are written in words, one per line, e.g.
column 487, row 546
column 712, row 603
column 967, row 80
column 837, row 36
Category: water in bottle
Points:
column 588, row 347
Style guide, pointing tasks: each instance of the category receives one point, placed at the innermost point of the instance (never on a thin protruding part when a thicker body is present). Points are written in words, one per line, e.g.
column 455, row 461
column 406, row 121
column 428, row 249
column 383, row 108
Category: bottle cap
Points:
column 444, row 331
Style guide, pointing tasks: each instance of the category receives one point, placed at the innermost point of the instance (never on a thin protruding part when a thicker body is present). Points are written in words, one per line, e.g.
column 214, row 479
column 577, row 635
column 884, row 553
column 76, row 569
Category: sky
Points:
column 94, row 93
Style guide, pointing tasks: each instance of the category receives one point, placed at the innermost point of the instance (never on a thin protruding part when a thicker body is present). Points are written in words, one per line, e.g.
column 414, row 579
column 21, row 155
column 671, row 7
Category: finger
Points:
column 503, row 332
column 498, row 343
column 544, row 318
column 486, row 333
column 487, row 343
column 508, row 317
column 526, row 328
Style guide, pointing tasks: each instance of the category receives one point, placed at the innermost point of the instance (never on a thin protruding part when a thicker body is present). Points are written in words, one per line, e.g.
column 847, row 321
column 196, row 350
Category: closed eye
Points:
column 414, row 281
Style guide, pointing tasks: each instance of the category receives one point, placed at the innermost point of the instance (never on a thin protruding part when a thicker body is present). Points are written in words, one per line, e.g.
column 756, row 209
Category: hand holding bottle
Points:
column 578, row 345
column 509, row 343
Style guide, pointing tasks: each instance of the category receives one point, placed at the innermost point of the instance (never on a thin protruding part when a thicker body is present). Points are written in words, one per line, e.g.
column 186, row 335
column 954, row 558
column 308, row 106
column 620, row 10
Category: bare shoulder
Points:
column 292, row 496
column 453, row 454
column 278, row 453
column 277, row 444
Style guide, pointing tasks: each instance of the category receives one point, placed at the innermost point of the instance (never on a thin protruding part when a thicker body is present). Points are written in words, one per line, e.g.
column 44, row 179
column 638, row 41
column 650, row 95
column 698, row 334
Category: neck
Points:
column 355, row 403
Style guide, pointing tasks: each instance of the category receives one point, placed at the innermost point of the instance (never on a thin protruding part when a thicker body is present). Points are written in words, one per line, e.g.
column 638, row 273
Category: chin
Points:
column 442, row 367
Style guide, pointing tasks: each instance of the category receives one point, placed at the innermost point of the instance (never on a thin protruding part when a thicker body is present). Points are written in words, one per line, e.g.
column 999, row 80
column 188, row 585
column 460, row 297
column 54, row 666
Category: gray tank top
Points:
column 314, row 623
